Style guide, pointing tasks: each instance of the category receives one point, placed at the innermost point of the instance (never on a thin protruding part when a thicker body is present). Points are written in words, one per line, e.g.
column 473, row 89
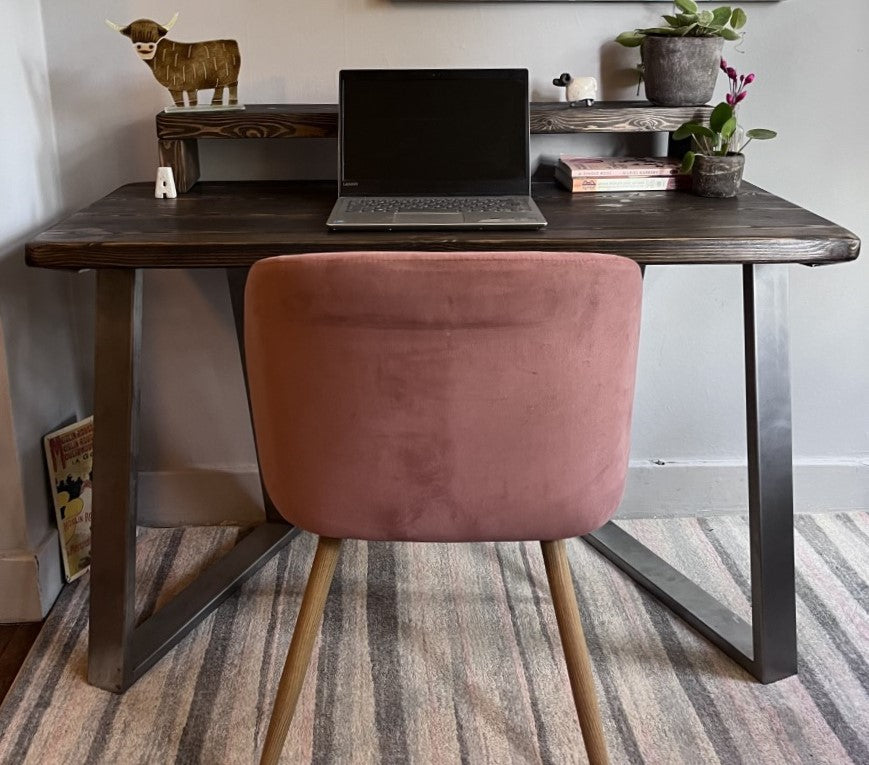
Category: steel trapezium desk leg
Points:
column 118, row 651
column 767, row 647
column 113, row 519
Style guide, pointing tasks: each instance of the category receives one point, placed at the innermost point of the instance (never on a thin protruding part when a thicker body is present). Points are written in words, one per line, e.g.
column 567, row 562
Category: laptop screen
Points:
column 434, row 132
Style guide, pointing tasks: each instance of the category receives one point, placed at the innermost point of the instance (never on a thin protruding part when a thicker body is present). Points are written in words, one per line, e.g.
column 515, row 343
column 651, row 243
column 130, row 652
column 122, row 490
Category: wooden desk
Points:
column 231, row 225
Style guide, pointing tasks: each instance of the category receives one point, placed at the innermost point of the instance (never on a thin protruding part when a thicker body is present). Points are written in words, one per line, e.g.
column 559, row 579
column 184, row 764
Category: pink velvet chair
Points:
column 450, row 397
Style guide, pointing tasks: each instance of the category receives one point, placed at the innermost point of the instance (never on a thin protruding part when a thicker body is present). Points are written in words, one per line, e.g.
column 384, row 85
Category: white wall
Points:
column 39, row 386
column 689, row 408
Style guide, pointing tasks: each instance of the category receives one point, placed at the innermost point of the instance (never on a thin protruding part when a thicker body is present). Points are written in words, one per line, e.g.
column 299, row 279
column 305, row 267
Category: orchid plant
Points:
column 723, row 134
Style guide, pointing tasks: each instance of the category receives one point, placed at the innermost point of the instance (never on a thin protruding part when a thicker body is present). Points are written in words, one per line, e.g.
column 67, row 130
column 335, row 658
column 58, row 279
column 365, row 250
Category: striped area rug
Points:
column 450, row 653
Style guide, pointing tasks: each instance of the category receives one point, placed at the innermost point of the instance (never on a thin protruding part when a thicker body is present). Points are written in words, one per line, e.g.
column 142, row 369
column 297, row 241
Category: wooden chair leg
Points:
column 299, row 655
column 575, row 650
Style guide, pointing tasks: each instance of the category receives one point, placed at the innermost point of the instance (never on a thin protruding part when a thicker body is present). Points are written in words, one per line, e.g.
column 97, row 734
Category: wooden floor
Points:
column 15, row 642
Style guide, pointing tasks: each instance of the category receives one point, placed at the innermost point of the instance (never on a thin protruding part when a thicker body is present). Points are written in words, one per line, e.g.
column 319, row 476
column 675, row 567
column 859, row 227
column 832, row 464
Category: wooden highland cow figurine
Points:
column 185, row 67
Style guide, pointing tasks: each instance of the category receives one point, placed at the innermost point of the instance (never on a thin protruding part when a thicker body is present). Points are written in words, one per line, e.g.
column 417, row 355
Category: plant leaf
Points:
column 683, row 131
column 720, row 115
column 738, row 18
column 663, row 31
column 630, row 39
column 728, row 129
column 722, row 15
column 693, row 128
column 761, row 134
column 687, row 162
column 689, row 6
column 682, row 31
column 705, row 18
column 729, row 34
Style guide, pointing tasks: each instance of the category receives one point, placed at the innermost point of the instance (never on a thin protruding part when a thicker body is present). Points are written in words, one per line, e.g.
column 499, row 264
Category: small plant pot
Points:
column 680, row 71
column 717, row 176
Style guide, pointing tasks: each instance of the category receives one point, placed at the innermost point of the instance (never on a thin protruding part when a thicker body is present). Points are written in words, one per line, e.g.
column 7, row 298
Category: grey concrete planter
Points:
column 717, row 176
column 680, row 71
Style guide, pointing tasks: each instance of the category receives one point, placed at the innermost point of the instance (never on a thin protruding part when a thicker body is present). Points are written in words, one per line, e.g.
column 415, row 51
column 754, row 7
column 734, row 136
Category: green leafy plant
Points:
column 723, row 134
column 688, row 20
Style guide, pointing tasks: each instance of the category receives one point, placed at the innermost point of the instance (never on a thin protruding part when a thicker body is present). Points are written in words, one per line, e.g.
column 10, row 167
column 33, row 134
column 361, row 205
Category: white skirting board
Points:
column 30, row 580
column 677, row 489
column 218, row 495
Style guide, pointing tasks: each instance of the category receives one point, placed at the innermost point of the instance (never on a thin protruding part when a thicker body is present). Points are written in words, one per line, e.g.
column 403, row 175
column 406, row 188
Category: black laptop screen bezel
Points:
column 521, row 185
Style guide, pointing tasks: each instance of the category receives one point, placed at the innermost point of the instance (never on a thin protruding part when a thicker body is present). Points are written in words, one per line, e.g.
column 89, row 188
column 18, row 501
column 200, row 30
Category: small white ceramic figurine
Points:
column 579, row 89
column 165, row 187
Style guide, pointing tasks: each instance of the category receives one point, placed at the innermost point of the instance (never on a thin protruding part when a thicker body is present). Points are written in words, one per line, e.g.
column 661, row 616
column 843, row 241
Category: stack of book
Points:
column 583, row 174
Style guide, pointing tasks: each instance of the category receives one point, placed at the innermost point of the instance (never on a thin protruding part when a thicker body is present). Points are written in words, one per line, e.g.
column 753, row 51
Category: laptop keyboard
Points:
column 436, row 204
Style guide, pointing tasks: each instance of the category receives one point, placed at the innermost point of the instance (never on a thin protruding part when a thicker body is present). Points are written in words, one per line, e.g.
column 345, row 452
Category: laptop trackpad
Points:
column 429, row 217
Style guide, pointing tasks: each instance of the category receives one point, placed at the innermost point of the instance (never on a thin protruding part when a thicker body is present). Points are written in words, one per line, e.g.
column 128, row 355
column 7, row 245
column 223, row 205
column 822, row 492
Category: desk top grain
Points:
column 233, row 224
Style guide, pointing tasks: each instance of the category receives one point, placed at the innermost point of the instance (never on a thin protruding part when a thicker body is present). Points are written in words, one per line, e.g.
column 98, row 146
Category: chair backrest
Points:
column 443, row 396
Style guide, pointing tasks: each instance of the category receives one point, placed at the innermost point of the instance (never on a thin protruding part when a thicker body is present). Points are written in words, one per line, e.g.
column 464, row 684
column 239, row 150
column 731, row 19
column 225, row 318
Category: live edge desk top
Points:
column 231, row 224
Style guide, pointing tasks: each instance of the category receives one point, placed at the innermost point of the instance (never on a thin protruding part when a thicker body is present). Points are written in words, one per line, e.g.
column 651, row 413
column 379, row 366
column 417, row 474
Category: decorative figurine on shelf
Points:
column 186, row 67
column 578, row 88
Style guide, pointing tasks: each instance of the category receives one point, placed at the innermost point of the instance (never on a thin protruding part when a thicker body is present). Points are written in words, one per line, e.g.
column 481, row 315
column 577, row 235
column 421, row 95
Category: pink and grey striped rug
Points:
column 450, row 654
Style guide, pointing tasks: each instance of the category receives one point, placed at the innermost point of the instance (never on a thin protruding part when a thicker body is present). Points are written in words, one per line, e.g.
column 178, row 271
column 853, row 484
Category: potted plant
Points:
column 718, row 162
column 680, row 60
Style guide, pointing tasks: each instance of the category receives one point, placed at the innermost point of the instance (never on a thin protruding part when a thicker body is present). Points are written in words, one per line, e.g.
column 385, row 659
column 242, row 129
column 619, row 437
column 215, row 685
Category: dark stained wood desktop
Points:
column 234, row 224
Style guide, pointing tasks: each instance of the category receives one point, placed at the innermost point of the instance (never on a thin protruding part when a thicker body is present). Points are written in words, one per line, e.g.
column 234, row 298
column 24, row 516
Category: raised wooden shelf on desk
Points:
column 178, row 132
column 321, row 120
column 254, row 121
column 613, row 117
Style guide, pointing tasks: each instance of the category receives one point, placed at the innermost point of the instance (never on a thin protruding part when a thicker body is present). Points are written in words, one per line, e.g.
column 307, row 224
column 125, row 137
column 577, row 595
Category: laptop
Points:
column 434, row 149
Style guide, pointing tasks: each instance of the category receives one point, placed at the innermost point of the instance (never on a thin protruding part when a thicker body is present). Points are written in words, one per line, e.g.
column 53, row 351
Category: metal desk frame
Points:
column 120, row 652
column 767, row 647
